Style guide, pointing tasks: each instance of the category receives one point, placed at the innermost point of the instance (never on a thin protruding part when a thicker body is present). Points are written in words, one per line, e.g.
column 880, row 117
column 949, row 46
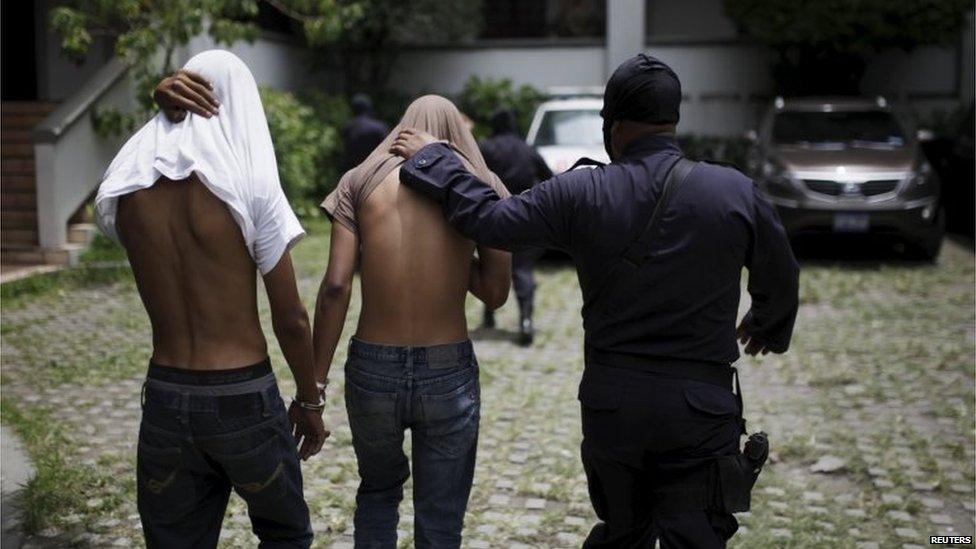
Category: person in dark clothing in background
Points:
column 520, row 167
column 661, row 424
column 362, row 133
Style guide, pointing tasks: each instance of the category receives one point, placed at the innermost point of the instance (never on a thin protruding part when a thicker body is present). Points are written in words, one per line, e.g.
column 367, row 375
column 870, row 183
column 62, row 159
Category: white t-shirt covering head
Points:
column 231, row 154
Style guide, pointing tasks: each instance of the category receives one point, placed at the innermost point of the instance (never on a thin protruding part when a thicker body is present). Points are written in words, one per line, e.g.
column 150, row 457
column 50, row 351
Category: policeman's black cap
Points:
column 642, row 89
column 361, row 104
column 503, row 120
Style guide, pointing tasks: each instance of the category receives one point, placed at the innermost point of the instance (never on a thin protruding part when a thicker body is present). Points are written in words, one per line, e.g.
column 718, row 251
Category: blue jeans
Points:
column 434, row 392
column 204, row 433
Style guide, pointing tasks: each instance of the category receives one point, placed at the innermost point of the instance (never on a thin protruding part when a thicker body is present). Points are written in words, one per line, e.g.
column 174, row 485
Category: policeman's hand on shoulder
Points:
column 752, row 346
column 185, row 91
column 409, row 141
column 309, row 430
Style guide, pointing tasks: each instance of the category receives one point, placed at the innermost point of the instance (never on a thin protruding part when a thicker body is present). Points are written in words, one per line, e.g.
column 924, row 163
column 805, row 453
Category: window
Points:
column 544, row 19
column 687, row 21
column 854, row 129
column 580, row 128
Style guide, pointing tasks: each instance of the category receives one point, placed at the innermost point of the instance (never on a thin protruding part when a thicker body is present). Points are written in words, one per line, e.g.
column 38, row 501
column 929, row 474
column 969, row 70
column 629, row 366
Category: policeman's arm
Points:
column 774, row 282
column 537, row 218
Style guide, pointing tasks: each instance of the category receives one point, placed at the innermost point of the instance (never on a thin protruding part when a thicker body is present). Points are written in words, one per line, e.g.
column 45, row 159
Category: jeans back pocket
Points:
column 166, row 490
column 372, row 415
column 450, row 420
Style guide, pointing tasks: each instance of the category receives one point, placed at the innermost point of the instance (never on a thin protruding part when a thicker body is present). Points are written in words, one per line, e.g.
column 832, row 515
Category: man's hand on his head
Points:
column 752, row 346
column 185, row 91
column 409, row 141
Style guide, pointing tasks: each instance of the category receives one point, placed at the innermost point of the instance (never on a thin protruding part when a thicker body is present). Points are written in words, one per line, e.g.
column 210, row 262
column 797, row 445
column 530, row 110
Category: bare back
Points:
column 194, row 274
column 415, row 269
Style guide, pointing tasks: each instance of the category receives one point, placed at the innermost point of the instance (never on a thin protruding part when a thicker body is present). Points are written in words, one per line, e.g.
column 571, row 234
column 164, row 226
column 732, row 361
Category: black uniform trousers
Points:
column 523, row 279
column 647, row 434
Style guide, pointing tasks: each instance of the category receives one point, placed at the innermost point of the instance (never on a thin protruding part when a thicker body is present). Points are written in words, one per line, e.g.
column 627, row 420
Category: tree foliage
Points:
column 146, row 34
column 481, row 96
column 821, row 44
column 361, row 37
column 367, row 36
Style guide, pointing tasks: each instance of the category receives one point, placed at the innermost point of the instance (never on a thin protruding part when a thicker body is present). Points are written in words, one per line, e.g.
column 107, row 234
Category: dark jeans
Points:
column 204, row 433
column 434, row 392
column 641, row 432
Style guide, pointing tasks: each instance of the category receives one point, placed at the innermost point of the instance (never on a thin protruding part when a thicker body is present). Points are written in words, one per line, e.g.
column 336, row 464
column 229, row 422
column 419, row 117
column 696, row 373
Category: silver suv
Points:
column 846, row 165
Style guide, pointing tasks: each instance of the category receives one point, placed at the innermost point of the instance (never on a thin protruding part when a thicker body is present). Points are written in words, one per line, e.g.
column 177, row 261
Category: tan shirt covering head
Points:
column 431, row 113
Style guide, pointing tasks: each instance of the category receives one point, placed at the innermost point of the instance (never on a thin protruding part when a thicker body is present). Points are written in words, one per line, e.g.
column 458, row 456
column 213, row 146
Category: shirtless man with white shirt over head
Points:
column 199, row 209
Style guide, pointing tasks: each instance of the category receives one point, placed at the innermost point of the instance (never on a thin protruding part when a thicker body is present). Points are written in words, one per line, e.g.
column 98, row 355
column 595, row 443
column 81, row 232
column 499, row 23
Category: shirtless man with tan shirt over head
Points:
column 199, row 209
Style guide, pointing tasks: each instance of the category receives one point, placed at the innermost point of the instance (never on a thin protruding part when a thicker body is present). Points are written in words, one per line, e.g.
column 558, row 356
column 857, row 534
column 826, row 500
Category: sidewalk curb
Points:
column 15, row 470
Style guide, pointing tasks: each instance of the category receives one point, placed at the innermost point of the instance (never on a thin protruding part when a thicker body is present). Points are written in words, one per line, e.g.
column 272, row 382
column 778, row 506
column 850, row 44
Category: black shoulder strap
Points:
column 639, row 250
column 586, row 161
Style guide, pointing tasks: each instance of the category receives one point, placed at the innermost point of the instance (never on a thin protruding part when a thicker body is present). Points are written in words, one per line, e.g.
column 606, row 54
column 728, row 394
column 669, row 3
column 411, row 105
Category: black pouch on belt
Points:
column 737, row 474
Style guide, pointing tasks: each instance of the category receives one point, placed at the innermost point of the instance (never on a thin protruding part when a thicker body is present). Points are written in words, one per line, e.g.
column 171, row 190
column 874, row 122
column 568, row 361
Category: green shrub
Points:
column 307, row 145
column 481, row 96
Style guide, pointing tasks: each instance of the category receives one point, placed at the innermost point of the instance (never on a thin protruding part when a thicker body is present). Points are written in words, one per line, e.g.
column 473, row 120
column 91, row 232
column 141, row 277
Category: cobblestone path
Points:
column 870, row 415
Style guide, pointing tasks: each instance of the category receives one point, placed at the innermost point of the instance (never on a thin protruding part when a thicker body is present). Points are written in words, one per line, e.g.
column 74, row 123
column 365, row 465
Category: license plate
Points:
column 851, row 222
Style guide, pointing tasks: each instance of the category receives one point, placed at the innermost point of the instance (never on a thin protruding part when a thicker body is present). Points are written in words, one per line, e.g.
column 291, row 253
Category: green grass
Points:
column 17, row 293
column 57, row 489
column 103, row 249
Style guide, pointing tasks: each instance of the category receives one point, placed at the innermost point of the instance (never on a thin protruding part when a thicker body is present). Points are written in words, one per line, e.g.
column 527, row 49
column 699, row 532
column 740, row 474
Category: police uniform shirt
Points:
column 360, row 136
column 686, row 307
column 517, row 164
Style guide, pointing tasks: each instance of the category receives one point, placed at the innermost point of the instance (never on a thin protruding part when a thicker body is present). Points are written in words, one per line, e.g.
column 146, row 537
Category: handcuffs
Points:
column 319, row 406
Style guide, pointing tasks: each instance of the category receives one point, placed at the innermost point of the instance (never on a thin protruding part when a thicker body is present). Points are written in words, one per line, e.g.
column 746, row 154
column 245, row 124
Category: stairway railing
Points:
column 70, row 156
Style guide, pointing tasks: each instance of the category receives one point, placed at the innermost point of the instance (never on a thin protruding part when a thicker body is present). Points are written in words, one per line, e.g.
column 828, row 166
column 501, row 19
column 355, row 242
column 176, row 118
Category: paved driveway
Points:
column 876, row 395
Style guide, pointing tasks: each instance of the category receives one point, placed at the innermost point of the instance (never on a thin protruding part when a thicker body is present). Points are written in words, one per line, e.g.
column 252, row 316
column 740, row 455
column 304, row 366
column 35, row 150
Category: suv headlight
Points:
column 921, row 175
column 778, row 177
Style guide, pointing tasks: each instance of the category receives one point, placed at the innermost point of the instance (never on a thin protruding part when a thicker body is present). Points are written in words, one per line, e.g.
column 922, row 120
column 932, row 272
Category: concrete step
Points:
column 18, row 238
column 17, row 183
column 69, row 254
column 26, row 256
column 14, row 136
column 27, row 107
column 17, row 150
column 18, row 200
column 20, row 121
column 65, row 255
column 16, row 166
column 82, row 233
column 18, row 219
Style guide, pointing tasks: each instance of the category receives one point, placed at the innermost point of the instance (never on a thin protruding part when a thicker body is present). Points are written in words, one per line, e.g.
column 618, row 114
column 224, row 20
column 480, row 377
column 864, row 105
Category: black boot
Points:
column 489, row 320
column 526, row 330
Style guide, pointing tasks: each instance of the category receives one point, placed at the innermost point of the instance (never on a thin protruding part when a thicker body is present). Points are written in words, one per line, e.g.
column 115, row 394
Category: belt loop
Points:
column 738, row 398
column 265, row 404
column 142, row 395
column 185, row 408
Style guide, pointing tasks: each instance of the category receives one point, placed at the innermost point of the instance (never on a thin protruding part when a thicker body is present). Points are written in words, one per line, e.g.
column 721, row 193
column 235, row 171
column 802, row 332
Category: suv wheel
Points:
column 928, row 248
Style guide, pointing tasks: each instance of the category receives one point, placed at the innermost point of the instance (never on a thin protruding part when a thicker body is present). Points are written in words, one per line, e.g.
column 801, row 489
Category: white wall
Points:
column 444, row 70
column 275, row 61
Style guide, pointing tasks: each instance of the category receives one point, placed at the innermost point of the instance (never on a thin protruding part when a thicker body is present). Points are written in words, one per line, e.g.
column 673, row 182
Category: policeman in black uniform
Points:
column 519, row 167
column 659, row 244
column 361, row 133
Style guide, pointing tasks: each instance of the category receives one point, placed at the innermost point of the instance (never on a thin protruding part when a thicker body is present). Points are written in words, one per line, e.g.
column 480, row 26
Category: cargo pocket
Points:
column 713, row 401
column 165, row 487
column 450, row 420
column 600, row 396
column 372, row 415
column 259, row 473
